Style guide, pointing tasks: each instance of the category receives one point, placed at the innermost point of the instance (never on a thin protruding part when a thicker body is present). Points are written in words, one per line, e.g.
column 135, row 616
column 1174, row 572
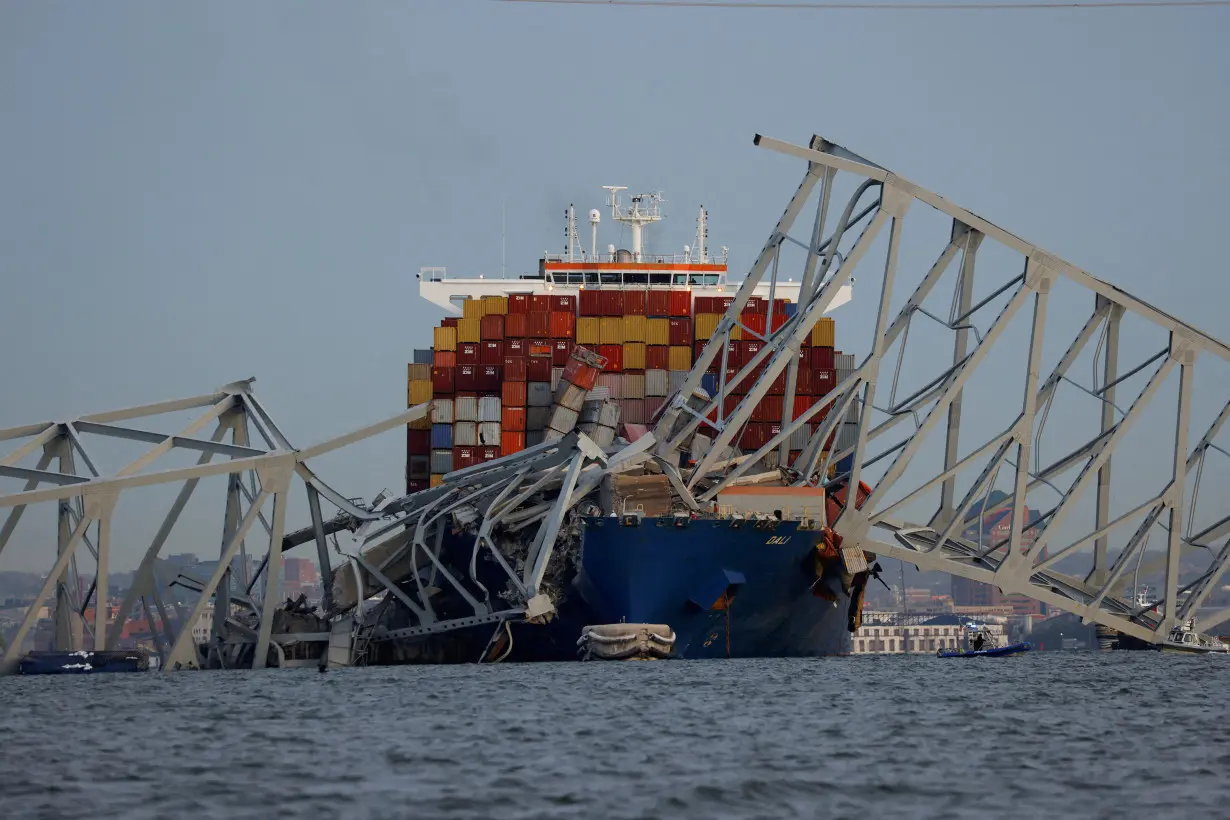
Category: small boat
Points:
column 993, row 652
column 1184, row 639
column 982, row 643
column 83, row 662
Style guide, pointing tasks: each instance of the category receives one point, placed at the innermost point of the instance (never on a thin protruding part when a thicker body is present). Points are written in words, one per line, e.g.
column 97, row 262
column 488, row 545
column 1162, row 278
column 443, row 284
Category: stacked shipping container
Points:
column 495, row 376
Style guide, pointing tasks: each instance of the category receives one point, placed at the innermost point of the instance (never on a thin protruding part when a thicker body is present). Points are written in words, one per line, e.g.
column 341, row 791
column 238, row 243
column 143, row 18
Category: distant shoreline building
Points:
column 996, row 527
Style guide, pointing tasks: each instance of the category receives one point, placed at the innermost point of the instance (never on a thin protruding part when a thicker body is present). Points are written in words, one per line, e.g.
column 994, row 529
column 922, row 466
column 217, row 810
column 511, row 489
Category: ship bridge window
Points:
column 611, row 279
column 636, row 278
column 659, row 278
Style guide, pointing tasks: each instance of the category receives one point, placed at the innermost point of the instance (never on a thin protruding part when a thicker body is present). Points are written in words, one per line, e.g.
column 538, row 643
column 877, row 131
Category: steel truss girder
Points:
column 87, row 500
column 939, row 544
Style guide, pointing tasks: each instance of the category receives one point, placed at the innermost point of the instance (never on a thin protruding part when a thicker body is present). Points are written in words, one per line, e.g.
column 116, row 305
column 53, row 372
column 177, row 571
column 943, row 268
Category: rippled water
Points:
column 1125, row 734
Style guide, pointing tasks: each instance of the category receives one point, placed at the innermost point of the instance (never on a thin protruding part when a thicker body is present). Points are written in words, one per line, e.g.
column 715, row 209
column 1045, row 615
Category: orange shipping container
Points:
column 516, row 326
column 511, row 442
column 513, row 394
column 563, row 324
column 634, row 356
column 822, row 333
column 680, row 358
column 512, row 420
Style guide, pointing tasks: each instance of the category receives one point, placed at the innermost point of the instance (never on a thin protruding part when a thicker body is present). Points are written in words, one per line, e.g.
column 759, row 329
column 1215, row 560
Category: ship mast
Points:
column 644, row 211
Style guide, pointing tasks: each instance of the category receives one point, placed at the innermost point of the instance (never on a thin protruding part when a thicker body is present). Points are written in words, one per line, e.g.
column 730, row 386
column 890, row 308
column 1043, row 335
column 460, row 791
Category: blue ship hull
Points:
column 82, row 663
column 684, row 576
column 997, row 652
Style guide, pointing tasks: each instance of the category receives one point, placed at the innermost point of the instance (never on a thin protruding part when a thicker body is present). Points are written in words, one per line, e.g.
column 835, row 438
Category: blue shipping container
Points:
column 792, row 308
column 710, row 383
column 441, row 436
column 424, row 356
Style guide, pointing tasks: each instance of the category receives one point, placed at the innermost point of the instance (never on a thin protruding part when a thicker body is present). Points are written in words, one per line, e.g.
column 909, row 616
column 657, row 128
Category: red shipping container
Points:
column 517, row 348
column 681, row 332
column 732, row 388
column 514, row 369
column 755, row 436
column 612, row 302
column 657, row 357
column 491, row 327
column 563, row 325
column 734, row 354
column 755, row 322
column 591, row 304
column 418, row 442
column 561, row 349
column 451, row 321
column 769, row 409
column 467, row 353
column 444, row 358
column 756, row 304
column 750, row 349
column 416, row 486
column 540, row 303
column 614, row 355
column 564, row 304
column 658, row 303
column 516, row 326
column 541, row 350
column 804, row 358
column 488, row 453
column 513, row 394
column 822, row 358
column 511, row 442
column 804, row 384
column 540, row 325
column 703, row 304
column 632, row 411
column 491, row 353
column 778, row 387
column 490, row 378
column 464, row 457
column 681, row 303
column 634, row 303
column 721, row 304
column 802, row 404
column 581, row 374
column 512, row 419
column 728, row 407
column 779, row 319
column 538, row 369
column 443, row 380
column 824, row 380
column 779, row 306
column 652, row 405
column 518, row 304
column 467, row 377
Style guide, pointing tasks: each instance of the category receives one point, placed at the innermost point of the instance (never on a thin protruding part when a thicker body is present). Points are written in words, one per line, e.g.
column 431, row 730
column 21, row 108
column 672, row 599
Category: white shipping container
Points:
column 589, row 412
column 847, row 436
column 678, row 377
column 852, row 413
column 551, row 435
column 563, row 420
column 609, row 415
column 557, row 373
column 844, row 361
column 489, row 409
column 598, row 394
column 613, row 383
column 570, row 396
column 533, row 437
column 602, row 436
column 465, row 408
column 489, row 434
column 657, row 383
column 634, row 385
column 798, row 439
column 465, row 434
column 442, row 411
column 536, row 418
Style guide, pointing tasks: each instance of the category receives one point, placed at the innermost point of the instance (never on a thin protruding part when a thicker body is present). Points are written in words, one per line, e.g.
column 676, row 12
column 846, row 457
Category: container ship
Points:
column 632, row 323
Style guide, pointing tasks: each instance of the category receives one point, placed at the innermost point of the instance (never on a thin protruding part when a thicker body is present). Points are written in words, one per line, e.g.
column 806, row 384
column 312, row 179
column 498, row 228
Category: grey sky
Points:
column 193, row 194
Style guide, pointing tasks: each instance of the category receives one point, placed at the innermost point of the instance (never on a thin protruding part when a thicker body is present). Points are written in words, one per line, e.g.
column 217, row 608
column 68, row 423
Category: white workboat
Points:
column 1185, row 639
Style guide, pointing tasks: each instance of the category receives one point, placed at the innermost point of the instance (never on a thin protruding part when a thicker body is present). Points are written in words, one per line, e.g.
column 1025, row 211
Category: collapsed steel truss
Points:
column 939, row 542
column 86, row 500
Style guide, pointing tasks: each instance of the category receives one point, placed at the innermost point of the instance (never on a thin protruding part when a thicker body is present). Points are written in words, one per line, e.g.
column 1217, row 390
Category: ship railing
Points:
column 625, row 257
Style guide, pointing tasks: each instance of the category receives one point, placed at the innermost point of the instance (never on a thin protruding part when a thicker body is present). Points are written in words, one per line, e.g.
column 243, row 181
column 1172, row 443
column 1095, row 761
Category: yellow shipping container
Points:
column 679, row 357
column 436, row 481
column 469, row 330
column 420, row 392
column 634, row 356
column 706, row 325
column 611, row 330
column 421, row 424
column 635, row 328
column 658, row 332
column 420, row 372
column 588, row 330
column 446, row 338
column 495, row 305
column 472, row 309
column 823, row 333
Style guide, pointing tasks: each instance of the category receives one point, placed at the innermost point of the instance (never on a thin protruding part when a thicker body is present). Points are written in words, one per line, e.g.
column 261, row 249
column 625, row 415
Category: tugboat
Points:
column 980, row 642
column 1185, row 639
